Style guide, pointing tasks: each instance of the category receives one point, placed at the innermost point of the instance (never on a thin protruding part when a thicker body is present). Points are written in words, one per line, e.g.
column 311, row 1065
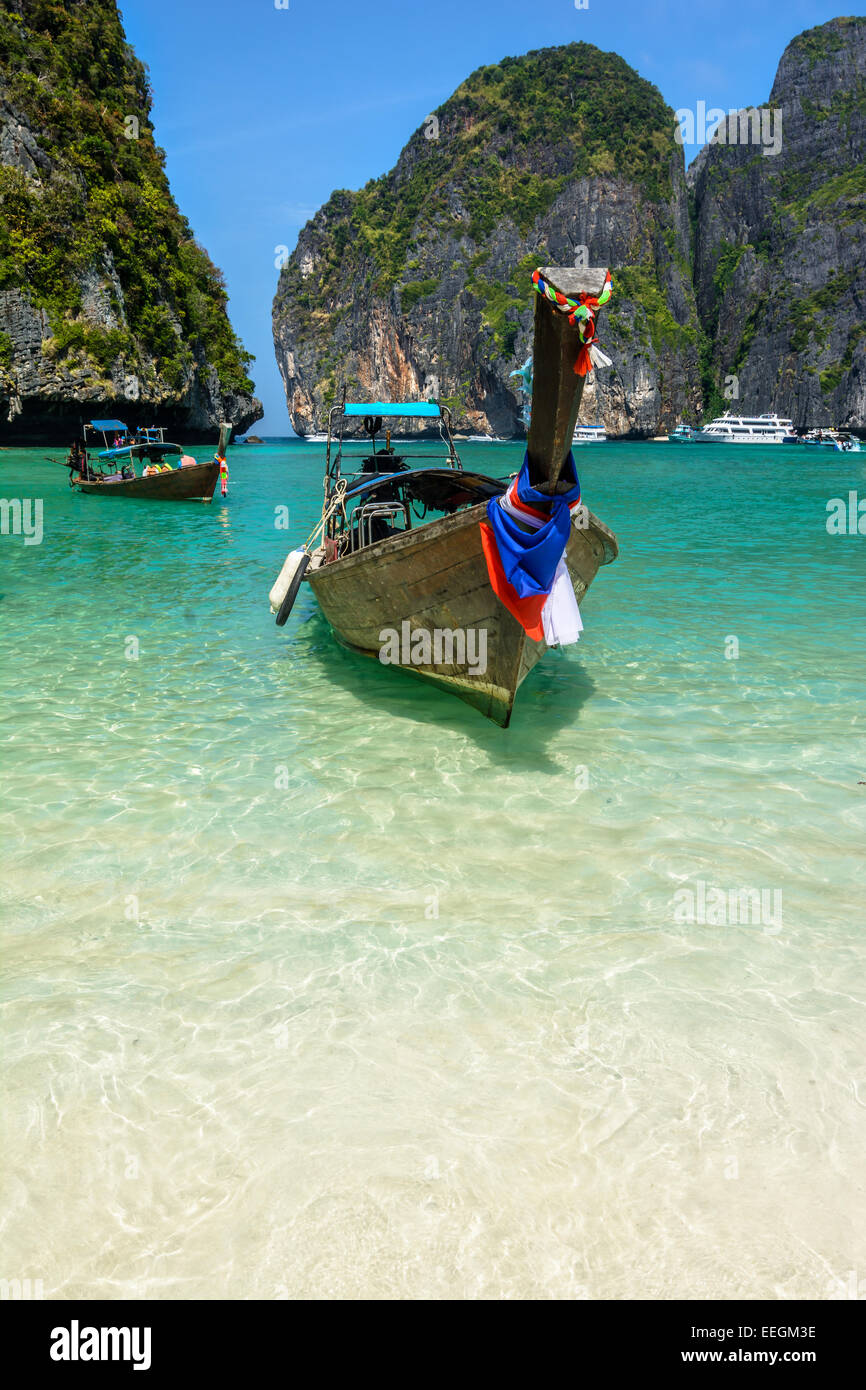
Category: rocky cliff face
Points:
column 780, row 269
column 107, row 304
column 419, row 284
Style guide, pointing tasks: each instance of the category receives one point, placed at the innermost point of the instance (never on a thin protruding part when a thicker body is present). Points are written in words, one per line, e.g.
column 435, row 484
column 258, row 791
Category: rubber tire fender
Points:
column 288, row 602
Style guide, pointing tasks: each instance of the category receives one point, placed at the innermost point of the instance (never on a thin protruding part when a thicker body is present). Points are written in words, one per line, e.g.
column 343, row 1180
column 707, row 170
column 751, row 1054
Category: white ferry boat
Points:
column 589, row 434
column 747, row 429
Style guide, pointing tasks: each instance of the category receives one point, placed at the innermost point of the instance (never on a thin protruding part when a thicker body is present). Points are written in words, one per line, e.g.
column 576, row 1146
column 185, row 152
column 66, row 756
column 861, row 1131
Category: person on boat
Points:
column 78, row 458
column 224, row 475
column 187, row 461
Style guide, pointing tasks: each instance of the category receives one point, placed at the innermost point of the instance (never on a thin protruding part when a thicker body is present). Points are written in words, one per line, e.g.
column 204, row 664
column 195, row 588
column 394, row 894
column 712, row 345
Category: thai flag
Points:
column 524, row 542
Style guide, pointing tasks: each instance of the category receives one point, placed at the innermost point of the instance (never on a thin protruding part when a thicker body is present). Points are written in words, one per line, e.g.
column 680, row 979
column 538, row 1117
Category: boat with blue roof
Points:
column 137, row 463
column 461, row 578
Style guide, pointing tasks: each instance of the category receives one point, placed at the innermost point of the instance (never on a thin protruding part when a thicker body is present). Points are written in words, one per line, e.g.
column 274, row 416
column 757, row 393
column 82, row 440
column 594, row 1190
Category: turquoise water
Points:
column 318, row 984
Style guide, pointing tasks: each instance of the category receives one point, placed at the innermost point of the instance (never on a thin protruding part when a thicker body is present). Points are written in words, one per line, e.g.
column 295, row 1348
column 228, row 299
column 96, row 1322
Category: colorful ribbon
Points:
column 581, row 312
column 581, row 308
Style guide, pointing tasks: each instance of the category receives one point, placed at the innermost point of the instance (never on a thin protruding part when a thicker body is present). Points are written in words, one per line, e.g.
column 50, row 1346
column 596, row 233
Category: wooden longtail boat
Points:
column 401, row 548
column 193, row 483
column 115, row 475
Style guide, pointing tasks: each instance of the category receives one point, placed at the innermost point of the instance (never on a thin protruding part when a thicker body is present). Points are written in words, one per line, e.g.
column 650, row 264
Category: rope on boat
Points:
column 581, row 313
column 337, row 501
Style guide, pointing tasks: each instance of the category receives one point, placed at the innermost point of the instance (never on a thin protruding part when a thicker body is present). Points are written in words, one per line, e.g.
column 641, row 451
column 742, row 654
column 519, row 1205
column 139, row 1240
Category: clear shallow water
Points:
column 317, row 984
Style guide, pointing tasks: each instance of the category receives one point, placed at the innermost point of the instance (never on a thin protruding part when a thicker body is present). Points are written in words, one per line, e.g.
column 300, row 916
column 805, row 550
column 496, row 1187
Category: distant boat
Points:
column 114, row 475
column 833, row 439
column 683, row 434
column 589, row 434
column 746, row 429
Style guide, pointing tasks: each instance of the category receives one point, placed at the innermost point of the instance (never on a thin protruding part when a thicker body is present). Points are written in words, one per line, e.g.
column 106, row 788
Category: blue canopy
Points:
column 143, row 447
column 107, row 425
column 395, row 408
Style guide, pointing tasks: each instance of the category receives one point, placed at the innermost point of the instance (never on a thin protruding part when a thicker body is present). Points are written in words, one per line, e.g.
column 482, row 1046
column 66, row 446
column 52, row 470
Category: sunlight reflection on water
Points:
column 319, row 985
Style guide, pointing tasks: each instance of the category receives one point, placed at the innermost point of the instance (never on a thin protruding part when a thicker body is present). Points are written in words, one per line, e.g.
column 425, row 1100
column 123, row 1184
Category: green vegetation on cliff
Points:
column 654, row 321
column 778, row 263
column 504, row 146
column 70, row 75
column 421, row 280
column 818, row 44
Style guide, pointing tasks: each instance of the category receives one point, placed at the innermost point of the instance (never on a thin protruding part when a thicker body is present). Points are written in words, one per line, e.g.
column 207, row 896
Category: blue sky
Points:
column 263, row 110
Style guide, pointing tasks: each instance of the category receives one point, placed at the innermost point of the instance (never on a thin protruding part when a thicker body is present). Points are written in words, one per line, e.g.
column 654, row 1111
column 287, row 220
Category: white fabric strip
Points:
column 560, row 615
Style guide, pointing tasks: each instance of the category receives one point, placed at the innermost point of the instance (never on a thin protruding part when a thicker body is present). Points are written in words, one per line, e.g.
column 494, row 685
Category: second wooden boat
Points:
column 113, row 472
column 194, row 482
column 400, row 570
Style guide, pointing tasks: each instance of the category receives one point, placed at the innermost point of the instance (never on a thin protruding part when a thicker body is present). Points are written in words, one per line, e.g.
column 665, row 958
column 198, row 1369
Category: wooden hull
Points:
column 434, row 578
column 421, row 598
column 180, row 485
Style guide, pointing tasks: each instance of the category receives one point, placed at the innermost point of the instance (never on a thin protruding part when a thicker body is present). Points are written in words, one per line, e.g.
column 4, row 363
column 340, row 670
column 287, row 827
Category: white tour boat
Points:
column 747, row 429
column 589, row 434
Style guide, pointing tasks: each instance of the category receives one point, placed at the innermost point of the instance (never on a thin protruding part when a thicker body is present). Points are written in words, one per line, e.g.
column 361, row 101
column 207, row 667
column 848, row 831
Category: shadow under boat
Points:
column 560, row 688
column 400, row 561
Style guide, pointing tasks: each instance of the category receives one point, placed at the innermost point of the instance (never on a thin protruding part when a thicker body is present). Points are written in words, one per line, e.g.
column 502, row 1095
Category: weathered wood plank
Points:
column 556, row 389
column 574, row 280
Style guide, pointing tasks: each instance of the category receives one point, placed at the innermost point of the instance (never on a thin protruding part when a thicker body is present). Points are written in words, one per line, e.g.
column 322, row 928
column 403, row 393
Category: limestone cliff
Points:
column 419, row 284
column 780, row 239
column 107, row 303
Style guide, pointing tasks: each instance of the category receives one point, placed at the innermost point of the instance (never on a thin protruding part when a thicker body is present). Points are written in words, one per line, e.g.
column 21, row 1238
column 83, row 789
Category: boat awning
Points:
column 411, row 478
column 395, row 408
column 107, row 425
column 138, row 450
